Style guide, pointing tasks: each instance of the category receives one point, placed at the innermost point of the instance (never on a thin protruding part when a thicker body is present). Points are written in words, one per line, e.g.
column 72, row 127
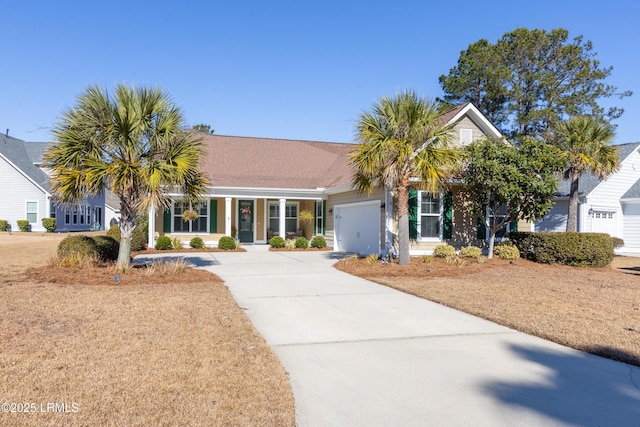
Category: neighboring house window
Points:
column 319, row 217
column 81, row 213
column 53, row 210
column 430, row 215
column 466, row 137
column 32, row 212
column 97, row 217
column 88, row 215
column 75, row 215
column 198, row 225
column 291, row 217
column 67, row 216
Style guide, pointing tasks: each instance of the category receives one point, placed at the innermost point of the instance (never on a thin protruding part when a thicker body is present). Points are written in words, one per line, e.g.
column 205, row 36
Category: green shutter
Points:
column 482, row 230
column 213, row 216
column 324, row 217
column 166, row 219
column 413, row 214
column 447, row 220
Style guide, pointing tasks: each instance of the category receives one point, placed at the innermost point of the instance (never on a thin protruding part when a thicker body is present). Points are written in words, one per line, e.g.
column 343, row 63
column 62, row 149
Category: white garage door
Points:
column 631, row 212
column 357, row 227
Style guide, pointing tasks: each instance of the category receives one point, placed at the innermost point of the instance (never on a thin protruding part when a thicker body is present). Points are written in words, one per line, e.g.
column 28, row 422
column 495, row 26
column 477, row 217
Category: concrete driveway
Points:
column 362, row 354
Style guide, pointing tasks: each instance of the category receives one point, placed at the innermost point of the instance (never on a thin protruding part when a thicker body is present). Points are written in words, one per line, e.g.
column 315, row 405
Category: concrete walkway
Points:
column 362, row 354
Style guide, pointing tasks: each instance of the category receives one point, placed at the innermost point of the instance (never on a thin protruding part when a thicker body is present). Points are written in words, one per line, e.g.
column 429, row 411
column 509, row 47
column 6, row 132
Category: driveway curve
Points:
column 362, row 354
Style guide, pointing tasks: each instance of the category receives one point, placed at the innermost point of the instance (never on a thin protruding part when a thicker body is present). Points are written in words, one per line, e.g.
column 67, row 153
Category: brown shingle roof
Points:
column 234, row 161
column 448, row 115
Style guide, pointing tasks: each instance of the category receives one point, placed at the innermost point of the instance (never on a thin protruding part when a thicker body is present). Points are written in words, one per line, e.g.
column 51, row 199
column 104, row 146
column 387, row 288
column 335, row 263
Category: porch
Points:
column 249, row 219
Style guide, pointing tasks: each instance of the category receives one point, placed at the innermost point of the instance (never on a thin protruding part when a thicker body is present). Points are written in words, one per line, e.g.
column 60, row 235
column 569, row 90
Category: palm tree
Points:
column 583, row 142
column 402, row 144
column 134, row 145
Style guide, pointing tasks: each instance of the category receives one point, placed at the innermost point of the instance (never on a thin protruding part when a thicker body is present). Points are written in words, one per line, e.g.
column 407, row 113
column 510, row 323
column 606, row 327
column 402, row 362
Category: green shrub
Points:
column 163, row 243
column 227, row 243
column 444, row 251
column 318, row 242
column 617, row 242
column 196, row 243
column 277, row 242
column 24, row 225
column 107, row 247
column 4, row 225
column 138, row 239
column 49, row 224
column 78, row 250
column 302, row 243
column 470, row 252
column 506, row 250
column 568, row 248
column 176, row 243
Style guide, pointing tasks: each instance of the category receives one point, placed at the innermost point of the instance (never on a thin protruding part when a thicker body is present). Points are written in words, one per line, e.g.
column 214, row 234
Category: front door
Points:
column 245, row 219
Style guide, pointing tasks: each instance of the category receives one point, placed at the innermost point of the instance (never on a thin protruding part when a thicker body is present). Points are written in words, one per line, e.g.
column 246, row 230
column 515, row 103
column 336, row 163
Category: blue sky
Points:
column 280, row 69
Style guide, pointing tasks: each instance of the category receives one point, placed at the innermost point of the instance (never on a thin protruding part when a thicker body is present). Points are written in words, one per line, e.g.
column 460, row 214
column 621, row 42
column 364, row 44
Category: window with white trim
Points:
column 430, row 215
column 466, row 137
column 198, row 225
column 32, row 212
column 319, row 216
column 502, row 215
column 291, row 217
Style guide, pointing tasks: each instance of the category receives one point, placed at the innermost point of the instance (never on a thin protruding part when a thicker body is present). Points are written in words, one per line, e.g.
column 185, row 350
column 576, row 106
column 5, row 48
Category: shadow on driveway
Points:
column 581, row 389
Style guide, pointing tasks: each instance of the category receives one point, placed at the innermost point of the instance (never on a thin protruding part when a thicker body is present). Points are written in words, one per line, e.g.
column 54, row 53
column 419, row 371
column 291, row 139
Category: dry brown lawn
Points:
column 171, row 350
column 591, row 309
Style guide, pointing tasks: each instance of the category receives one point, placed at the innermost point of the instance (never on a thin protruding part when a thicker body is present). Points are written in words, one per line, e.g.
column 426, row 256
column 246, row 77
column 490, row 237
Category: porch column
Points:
column 282, row 224
column 152, row 226
column 227, row 216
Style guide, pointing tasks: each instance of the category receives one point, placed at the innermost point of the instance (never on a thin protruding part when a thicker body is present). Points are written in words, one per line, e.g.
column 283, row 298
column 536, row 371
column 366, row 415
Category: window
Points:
column 430, row 215
column 53, row 210
column 75, row 215
column 501, row 216
column 32, row 212
column 319, row 217
column 97, row 217
column 466, row 137
column 291, row 217
column 67, row 216
column 198, row 225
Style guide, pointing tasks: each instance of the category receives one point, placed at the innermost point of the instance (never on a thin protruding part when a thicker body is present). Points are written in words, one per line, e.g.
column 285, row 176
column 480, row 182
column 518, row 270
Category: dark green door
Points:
column 245, row 219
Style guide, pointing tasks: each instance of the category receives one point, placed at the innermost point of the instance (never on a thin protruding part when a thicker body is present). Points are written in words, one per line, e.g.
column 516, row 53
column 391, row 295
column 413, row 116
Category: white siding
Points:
column 556, row 219
column 631, row 221
column 606, row 196
column 16, row 189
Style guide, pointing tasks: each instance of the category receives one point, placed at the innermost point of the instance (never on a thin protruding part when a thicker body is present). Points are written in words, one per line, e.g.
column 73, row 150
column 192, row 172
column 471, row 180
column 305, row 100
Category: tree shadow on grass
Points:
column 582, row 389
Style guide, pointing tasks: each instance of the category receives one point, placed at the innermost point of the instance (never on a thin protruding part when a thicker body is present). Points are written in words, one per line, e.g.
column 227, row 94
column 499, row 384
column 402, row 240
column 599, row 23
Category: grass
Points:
column 170, row 349
column 596, row 310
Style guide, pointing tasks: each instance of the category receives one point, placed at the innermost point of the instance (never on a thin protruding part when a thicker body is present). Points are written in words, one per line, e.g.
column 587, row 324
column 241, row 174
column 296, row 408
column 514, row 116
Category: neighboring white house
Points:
column 26, row 193
column 609, row 206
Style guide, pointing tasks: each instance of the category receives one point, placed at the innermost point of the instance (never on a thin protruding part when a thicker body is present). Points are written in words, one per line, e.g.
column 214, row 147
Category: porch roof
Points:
column 247, row 162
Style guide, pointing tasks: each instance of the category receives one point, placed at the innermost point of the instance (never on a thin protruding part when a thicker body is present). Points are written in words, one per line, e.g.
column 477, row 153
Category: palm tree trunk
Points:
column 572, row 216
column 127, row 225
column 403, row 226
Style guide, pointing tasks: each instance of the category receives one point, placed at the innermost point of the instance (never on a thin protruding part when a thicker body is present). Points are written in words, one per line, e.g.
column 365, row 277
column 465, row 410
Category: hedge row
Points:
column 570, row 248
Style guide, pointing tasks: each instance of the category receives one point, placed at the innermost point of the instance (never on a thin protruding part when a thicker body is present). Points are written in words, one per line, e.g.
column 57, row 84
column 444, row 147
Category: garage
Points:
column 357, row 227
column 631, row 235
